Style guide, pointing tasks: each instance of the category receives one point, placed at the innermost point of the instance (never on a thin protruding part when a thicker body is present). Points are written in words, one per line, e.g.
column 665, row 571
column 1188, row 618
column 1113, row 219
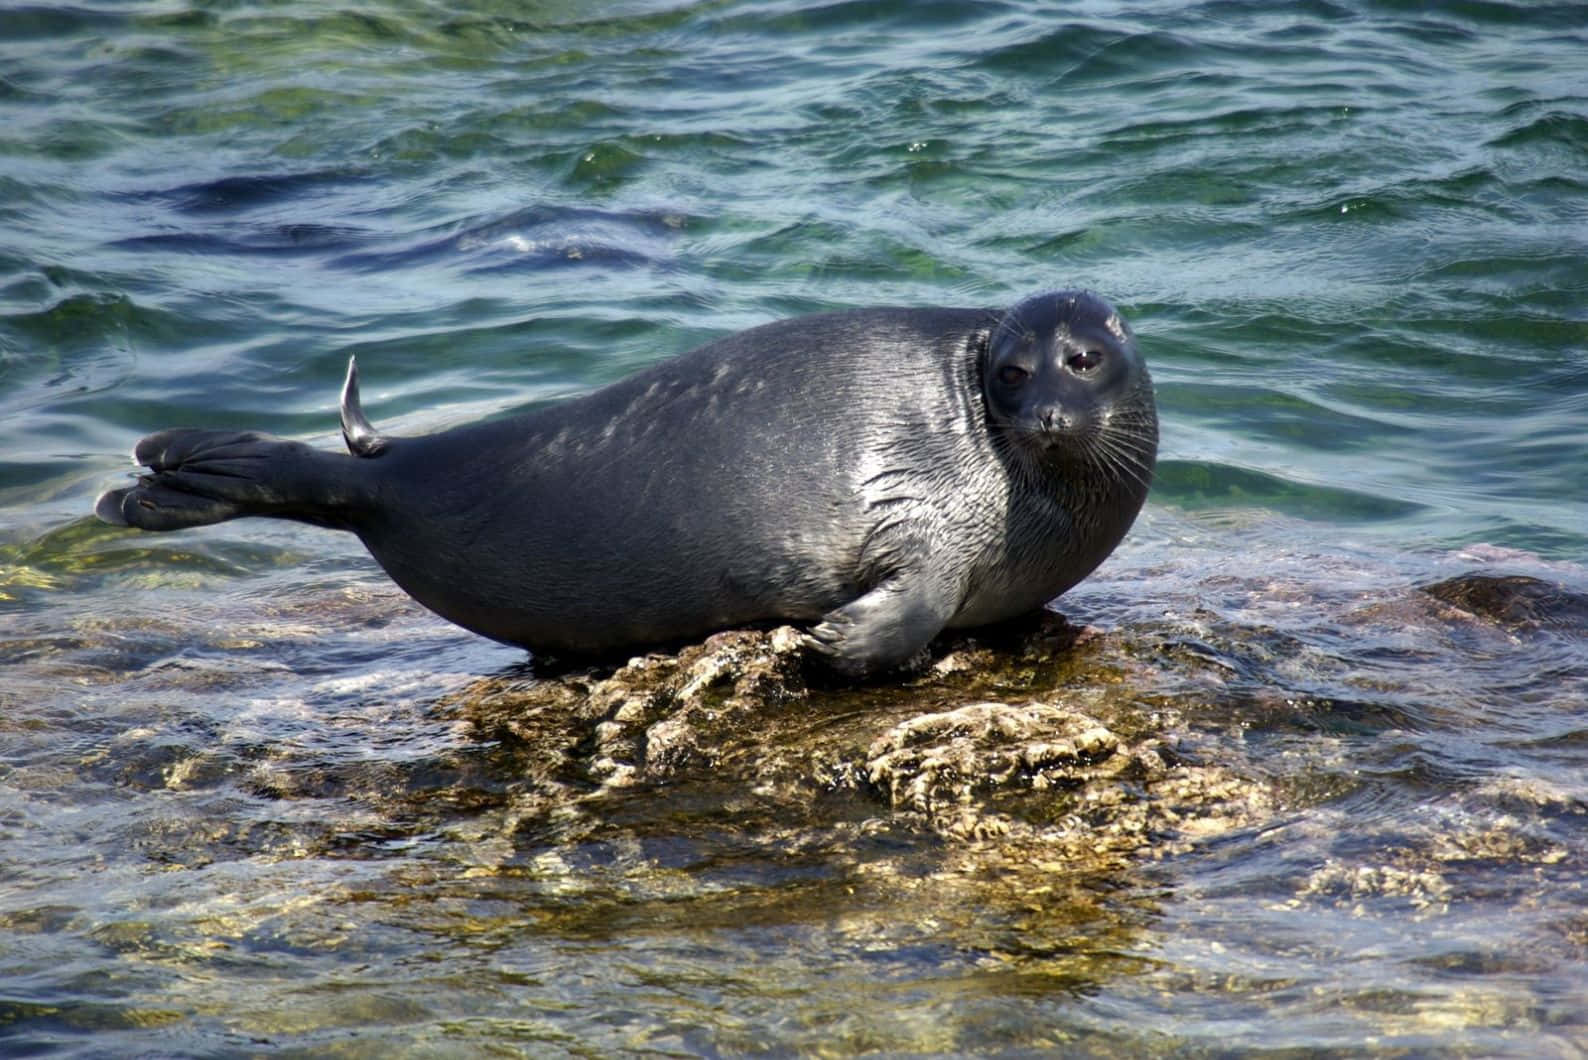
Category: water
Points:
column 238, row 810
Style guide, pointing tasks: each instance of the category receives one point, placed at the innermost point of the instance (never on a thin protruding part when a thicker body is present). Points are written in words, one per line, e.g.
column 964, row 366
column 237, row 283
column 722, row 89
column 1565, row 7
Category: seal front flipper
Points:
column 887, row 627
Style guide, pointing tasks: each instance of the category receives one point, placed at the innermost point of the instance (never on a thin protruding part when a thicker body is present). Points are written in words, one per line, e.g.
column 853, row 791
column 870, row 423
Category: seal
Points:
column 877, row 475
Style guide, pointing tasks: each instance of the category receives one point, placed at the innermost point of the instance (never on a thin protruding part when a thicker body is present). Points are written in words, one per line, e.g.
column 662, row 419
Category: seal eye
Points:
column 1084, row 361
column 1012, row 375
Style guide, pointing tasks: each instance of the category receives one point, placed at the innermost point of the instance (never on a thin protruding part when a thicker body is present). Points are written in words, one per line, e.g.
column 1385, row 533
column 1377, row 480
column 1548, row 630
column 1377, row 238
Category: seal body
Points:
column 877, row 474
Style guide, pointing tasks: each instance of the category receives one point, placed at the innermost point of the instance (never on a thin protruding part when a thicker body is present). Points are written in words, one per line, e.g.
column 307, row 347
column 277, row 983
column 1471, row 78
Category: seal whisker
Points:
column 1124, row 461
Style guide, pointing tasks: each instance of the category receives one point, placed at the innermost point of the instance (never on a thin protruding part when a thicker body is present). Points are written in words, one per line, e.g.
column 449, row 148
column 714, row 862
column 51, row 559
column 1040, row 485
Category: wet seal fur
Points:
column 878, row 474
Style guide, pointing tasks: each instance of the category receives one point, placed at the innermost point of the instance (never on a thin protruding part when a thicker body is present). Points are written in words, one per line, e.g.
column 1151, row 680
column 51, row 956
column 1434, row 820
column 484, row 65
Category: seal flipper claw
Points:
column 361, row 437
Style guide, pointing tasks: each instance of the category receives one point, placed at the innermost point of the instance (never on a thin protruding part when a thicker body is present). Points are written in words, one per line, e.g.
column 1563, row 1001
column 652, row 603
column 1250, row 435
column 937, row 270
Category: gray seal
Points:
column 878, row 475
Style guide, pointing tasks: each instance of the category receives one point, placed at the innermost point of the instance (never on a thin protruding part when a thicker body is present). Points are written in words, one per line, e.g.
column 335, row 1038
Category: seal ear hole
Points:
column 1084, row 361
column 1012, row 375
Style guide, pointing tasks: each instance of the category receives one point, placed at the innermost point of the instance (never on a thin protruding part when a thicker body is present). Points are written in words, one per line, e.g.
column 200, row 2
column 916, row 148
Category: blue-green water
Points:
column 1352, row 237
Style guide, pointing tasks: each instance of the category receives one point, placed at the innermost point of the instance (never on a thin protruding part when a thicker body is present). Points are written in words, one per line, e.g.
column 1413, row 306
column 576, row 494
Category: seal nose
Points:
column 1052, row 418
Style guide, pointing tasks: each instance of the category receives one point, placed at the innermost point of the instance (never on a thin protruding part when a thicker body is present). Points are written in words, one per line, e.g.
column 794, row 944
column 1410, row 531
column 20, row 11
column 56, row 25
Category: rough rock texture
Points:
column 1037, row 743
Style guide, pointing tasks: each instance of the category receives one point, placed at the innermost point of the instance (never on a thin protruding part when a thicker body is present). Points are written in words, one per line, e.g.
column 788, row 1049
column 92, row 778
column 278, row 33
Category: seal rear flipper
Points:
column 198, row 477
column 360, row 435
column 151, row 506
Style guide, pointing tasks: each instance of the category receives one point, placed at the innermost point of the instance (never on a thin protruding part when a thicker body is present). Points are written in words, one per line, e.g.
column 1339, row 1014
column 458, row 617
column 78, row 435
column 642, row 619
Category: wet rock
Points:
column 949, row 758
column 1350, row 886
column 1042, row 774
column 1031, row 744
column 665, row 713
column 1515, row 602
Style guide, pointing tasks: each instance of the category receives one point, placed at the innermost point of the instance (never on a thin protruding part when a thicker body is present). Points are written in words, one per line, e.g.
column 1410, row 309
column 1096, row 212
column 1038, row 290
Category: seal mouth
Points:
column 1054, row 439
column 1050, row 446
column 1108, row 448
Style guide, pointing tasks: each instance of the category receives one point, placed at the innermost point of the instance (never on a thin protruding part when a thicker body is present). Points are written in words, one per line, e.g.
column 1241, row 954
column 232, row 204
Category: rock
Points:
column 1030, row 743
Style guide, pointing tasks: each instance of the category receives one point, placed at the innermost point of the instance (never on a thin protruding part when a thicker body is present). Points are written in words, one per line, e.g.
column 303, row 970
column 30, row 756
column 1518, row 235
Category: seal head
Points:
column 1067, row 390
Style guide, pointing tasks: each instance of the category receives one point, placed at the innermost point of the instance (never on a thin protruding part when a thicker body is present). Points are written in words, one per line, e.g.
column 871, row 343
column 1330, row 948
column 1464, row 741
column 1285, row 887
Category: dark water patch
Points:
column 339, row 28
column 1119, row 63
column 1051, row 51
column 1200, row 485
column 820, row 21
column 16, row 200
column 818, row 249
column 1534, row 105
column 482, row 35
column 429, row 145
column 1192, row 130
column 1340, row 716
column 301, row 240
column 1291, row 333
column 259, row 116
column 186, row 19
column 1496, row 14
column 31, row 283
column 66, row 141
column 1477, row 196
column 1562, row 196
column 80, row 343
column 497, row 353
column 541, row 126
column 23, row 478
column 1507, row 275
column 39, row 1029
column 240, row 193
column 1555, row 128
column 579, row 22
column 540, row 237
column 1434, row 31
column 1482, row 362
column 26, row 22
column 605, row 166
column 11, row 92
column 1552, row 144
column 1276, row 413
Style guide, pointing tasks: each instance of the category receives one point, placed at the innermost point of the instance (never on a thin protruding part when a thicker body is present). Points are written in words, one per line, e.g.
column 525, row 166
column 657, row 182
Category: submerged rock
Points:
column 1515, row 602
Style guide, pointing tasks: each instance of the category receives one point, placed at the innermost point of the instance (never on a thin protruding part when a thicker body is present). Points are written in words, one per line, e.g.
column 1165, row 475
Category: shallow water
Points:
column 240, row 810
